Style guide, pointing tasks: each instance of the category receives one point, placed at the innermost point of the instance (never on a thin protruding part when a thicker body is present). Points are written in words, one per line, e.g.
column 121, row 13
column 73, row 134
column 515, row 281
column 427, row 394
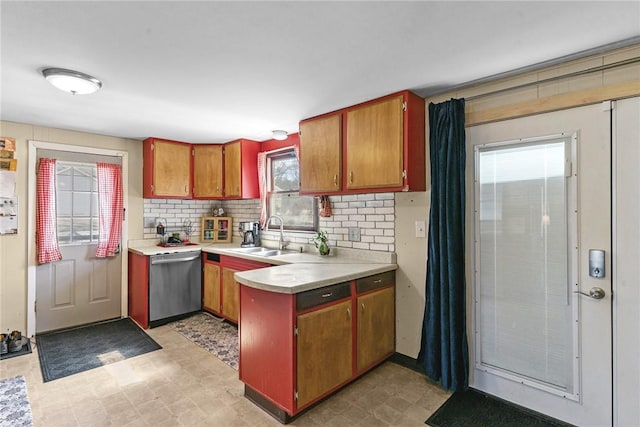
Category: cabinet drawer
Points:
column 377, row 281
column 213, row 257
column 308, row 299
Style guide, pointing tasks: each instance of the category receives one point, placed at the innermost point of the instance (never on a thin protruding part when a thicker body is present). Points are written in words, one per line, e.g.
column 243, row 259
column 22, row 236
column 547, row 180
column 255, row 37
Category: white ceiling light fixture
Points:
column 73, row 82
column 280, row 135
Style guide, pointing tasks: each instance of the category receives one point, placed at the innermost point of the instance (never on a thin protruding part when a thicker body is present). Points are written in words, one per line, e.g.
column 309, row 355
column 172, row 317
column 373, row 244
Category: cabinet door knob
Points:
column 351, row 177
column 362, row 306
column 349, row 313
column 335, row 180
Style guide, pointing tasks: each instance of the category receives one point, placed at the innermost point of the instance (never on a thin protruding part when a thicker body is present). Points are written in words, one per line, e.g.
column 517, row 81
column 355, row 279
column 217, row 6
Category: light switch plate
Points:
column 421, row 229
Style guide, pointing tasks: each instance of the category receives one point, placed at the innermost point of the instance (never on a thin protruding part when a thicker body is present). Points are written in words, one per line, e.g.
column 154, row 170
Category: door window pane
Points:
column 524, row 308
column 76, row 202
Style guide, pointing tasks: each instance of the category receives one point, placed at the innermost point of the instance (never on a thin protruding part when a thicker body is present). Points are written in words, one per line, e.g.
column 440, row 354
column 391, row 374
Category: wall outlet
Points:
column 354, row 234
column 421, row 229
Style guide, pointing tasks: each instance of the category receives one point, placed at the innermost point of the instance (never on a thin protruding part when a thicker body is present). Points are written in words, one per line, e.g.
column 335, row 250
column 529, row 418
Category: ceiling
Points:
column 214, row 71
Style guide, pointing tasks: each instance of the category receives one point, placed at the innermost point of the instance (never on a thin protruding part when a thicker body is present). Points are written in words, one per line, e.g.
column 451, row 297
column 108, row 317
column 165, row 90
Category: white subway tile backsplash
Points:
column 383, row 224
column 364, row 211
column 373, row 213
column 385, row 196
column 378, row 247
column 374, row 232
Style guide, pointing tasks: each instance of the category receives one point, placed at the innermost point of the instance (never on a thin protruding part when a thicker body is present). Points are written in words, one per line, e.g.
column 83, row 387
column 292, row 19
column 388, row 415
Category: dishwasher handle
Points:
column 173, row 260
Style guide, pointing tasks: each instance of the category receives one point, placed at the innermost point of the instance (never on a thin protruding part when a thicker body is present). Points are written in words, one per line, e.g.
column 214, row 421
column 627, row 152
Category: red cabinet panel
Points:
column 138, row 293
column 266, row 340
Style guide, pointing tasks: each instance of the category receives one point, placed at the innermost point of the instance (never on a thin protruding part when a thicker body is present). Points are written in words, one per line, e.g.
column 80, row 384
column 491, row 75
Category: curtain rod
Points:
column 551, row 79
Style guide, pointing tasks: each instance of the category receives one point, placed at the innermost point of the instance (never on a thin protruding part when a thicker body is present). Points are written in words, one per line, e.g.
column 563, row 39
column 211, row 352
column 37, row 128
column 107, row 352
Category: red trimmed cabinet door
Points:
column 166, row 169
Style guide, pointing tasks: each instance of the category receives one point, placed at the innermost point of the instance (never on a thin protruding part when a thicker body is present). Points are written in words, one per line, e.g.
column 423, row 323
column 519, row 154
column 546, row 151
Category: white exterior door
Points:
column 77, row 290
column 626, row 263
column 536, row 342
column 81, row 288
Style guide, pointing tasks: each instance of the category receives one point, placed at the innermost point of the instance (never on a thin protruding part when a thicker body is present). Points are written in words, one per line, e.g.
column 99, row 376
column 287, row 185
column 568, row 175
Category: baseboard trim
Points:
column 407, row 362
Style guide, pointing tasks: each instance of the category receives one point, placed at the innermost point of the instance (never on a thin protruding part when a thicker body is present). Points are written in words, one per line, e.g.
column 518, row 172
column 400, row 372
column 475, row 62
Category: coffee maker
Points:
column 250, row 234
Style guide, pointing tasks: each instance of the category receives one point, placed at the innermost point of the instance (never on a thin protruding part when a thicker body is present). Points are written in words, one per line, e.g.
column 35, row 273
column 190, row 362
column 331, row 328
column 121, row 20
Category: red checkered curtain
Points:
column 110, row 200
column 46, row 232
column 262, row 184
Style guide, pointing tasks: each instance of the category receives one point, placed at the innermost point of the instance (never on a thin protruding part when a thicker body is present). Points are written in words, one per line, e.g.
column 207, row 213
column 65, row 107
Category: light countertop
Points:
column 295, row 278
column 293, row 271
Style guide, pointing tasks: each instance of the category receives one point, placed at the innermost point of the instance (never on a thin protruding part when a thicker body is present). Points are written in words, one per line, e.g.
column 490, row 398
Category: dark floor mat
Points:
column 26, row 349
column 475, row 409
column 71, row 351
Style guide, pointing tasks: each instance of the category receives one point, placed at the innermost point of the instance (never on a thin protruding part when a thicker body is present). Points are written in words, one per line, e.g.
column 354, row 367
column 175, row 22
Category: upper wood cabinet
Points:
column 166, row 169
column 374, row 145
column 241, row 169
column 321, row 154
column 175, row 169
column 379, row 146
column 207, row 171
column 233, row 169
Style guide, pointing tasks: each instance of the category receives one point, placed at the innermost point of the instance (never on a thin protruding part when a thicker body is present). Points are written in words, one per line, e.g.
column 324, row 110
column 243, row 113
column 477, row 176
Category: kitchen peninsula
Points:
column 307, row 330
column 308, row 324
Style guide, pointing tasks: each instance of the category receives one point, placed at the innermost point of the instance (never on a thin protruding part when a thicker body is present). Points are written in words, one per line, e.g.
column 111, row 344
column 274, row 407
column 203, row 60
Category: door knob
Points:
column 595, row 293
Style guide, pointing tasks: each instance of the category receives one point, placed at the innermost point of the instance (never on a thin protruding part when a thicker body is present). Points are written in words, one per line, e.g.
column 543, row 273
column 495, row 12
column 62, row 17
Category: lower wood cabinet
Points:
column 230, row 295
column 211, row 287
column 220, row 291
column 376, row 326
column 324, row 350
column 296, row 349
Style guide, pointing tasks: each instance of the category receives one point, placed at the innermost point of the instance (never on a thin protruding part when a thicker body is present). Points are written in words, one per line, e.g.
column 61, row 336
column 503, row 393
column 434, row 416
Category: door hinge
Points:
column 152, row 145
column 295, row 330
column 35, row 306
column 404, row 174
column 295, row 395
column 404, row 106
column 193, row 152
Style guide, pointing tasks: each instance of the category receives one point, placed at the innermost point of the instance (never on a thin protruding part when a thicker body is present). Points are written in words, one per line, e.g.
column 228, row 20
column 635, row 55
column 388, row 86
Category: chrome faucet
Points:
column 281, row 242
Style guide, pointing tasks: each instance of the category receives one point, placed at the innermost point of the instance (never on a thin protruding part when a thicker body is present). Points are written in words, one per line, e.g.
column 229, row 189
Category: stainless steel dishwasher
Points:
column 174, row 286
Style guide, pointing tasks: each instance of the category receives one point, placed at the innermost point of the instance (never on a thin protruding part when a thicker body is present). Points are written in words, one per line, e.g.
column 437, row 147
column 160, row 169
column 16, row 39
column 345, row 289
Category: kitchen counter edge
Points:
column 301, row 277
column 290, row 273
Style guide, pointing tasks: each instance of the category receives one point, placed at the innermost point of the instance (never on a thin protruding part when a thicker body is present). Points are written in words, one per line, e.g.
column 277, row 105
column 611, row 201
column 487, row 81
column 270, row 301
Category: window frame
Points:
column 281, row 154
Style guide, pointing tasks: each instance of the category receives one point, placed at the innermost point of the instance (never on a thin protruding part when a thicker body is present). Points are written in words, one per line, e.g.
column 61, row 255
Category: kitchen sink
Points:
column 260, row 251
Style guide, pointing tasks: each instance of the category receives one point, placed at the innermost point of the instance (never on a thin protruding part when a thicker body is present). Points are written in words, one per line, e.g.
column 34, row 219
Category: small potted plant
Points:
column 320, row 242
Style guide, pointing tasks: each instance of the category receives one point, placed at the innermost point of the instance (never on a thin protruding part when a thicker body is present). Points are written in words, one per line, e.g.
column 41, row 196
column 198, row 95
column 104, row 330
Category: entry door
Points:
column 537, row 343
column 80, row 288
column 627, row 261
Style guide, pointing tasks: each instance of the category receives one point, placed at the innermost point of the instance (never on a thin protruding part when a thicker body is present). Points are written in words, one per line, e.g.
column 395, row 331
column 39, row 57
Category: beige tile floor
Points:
column 184, row 385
